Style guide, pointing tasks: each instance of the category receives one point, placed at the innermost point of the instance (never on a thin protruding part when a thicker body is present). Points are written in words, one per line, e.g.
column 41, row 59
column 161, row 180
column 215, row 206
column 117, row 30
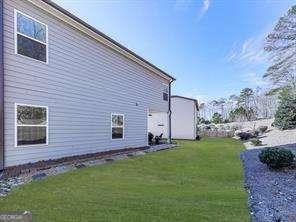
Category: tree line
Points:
column 279, row 100
column 250, row 104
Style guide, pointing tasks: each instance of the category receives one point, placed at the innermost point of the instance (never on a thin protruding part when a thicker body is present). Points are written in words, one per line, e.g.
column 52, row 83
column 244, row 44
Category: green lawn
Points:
column 200, row 181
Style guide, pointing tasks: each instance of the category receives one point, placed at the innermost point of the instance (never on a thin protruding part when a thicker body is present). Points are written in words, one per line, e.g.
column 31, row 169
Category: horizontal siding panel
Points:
column 64, row 147
column 69, row 35
column 69, row 142
column 19, row 159
column 82, row 85
column 94, row 54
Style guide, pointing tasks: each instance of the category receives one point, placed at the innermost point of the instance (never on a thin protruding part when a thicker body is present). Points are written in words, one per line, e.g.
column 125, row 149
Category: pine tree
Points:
column 285, row 117
column 217, row 118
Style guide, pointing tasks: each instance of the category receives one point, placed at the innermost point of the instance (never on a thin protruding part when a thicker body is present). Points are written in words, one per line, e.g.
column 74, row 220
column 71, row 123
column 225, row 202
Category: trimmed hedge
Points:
column 276, row 158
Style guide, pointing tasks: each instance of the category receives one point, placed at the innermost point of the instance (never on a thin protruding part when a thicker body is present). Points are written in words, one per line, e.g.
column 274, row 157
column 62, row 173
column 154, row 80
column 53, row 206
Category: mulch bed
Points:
column 46, row 164
column 272, row 193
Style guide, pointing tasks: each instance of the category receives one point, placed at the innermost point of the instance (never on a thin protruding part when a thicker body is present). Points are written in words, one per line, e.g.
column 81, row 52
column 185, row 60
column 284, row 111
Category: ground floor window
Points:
column 117, row 126
column 31, row 125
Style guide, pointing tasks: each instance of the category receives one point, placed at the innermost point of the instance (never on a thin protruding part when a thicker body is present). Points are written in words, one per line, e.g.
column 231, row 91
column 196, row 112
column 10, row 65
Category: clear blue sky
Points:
column 212, row 47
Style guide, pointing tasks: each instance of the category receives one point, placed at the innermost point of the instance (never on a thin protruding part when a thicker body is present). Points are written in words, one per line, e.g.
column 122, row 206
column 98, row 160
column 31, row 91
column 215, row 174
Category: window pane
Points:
column 31, row 115
column 117, row 132
column 31, row 48
column 165, row 96
column 31, row 28
column 117, row 120
column 29, row 135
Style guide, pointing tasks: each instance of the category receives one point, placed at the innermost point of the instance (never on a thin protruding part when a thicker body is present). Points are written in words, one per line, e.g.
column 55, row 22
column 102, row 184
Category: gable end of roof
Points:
column 187, row 98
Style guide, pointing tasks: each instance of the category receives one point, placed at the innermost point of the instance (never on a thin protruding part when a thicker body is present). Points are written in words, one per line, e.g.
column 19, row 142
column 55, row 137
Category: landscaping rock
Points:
column 29, row 174
column 7, row 184
column 60, row 169
column 79, row 165
column 272, row 194
column 39, row 176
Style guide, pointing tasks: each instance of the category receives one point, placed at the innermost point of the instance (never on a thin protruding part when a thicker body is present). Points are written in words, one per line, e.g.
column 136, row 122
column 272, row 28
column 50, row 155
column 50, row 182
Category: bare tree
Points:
column 281, row 46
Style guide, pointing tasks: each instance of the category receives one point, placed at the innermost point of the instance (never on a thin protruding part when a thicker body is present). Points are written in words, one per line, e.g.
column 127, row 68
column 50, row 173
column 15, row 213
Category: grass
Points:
column 200, row 181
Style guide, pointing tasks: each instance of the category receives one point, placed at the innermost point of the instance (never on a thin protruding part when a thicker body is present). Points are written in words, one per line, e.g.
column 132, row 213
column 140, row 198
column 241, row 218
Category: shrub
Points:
column 255, row 133
column 207, row 122
column 256, row 142
column 217, row 118
column 245, row 135
column 285, row 116
column 208, row 127
column 235, row 127
column 276, row 158
column 262, row 129
column 242, row 113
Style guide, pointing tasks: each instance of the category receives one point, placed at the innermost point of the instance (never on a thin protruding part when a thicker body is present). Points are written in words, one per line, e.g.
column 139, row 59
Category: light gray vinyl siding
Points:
column 83, row 83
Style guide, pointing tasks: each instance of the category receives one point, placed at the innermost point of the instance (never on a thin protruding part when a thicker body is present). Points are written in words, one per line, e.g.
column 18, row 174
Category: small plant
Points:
column 262, row 129
column 256, row 142
column 276, row 158
column 245, row 135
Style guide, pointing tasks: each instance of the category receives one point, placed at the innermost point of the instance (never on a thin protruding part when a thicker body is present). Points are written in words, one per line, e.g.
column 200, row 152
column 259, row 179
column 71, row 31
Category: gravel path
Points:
column 273, row 137
column 272, row 194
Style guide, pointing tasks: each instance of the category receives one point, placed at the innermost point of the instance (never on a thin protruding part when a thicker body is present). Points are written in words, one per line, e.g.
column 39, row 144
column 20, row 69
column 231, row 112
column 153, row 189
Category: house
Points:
column 67, row 89
column 184, row 117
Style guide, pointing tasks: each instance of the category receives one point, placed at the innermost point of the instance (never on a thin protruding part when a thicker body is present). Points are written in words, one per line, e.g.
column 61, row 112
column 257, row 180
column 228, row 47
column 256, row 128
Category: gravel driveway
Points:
column 272, row 194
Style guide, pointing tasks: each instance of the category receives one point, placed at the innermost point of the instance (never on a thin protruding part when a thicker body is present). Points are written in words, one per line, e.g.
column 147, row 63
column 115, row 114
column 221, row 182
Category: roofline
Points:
column 187, row 98
column 101, row 34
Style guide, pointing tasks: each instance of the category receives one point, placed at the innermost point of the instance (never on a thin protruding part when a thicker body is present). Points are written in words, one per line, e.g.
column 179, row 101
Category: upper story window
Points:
column 30, row 37
column 165, row 92
column 31, row 125
column 117, row 126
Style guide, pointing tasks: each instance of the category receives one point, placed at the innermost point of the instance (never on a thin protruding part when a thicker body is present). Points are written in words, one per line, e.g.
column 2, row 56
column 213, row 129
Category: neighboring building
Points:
column 184, row 117
column 67, row 89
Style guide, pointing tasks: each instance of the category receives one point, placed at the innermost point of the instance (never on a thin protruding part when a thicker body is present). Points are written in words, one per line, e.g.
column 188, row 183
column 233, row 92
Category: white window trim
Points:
column 166, row 85
column 123, row 126
column 16, row 125
column 16, row 33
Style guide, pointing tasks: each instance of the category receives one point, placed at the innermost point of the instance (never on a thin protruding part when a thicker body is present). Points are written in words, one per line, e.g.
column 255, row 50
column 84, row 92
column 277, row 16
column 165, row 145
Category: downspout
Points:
column 170, row 115
column 1, row 89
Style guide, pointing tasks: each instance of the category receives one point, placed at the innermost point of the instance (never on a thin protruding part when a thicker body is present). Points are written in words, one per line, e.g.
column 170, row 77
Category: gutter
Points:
column 170, row 114
column 1, row 89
